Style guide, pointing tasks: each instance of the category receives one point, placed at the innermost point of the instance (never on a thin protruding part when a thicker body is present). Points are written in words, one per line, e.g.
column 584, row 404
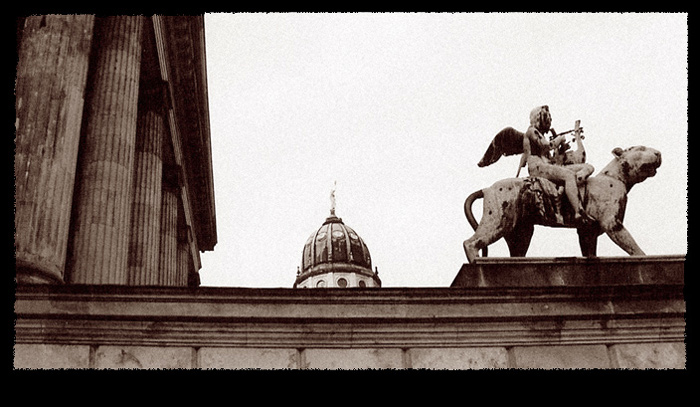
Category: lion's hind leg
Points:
column 488, row 232
column 498, row 218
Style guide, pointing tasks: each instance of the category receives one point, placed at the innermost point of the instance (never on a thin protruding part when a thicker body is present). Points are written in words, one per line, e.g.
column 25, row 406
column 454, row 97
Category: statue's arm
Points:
column 525, row 154
column 557, row 141
column 535, row 137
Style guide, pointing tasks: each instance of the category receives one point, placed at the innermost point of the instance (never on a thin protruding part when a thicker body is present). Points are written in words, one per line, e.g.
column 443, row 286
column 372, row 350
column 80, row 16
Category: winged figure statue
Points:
column 508, row 141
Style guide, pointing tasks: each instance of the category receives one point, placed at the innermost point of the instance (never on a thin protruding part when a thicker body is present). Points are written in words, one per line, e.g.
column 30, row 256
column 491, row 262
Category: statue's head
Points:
column 541, row 119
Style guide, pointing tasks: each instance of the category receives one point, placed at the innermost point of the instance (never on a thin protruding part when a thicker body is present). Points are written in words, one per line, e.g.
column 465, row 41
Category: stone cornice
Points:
column 391, row 317
column 184, row 37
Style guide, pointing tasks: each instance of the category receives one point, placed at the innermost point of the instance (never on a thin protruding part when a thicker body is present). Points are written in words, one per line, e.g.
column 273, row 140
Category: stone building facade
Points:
column 112, row 162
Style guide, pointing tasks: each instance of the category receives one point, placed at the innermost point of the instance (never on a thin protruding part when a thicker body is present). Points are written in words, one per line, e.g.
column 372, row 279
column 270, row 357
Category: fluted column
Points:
column 184, row 257
column 168, row 237
column 103, row 202
column 51, row 76
column 146, row 206
column 184, row 263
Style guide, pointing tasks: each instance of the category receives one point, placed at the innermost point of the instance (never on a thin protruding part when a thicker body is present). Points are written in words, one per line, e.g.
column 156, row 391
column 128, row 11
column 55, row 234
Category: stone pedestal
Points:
column 103, row 202
column 571, row 271
column 51, row 77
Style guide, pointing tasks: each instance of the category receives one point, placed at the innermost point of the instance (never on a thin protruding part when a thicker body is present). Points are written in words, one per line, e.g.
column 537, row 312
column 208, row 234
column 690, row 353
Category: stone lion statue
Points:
column 514, row 205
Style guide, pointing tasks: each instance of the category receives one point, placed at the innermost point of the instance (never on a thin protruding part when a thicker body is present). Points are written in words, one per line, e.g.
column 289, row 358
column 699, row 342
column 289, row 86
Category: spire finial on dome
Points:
column 333, row 198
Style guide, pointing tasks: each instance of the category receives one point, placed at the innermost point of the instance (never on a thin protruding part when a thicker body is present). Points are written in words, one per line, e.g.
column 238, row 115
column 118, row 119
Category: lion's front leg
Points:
column 624, row 239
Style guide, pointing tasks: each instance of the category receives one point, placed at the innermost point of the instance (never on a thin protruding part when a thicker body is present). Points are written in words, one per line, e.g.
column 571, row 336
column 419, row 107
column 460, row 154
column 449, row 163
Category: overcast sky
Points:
column 398, row 109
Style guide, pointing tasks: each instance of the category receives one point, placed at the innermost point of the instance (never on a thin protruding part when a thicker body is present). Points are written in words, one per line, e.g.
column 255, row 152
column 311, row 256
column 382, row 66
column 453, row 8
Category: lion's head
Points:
column 637, row 163
column 541, row 119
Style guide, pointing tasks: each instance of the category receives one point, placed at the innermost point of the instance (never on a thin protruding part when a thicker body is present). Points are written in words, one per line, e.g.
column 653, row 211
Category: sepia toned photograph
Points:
column 351, row 191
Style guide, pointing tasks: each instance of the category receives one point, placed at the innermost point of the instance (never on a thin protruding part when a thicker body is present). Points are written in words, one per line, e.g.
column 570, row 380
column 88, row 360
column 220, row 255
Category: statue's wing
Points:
column 507, row 142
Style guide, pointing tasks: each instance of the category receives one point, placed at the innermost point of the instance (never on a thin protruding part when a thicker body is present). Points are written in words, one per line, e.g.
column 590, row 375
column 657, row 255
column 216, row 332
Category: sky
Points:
column 396, row 110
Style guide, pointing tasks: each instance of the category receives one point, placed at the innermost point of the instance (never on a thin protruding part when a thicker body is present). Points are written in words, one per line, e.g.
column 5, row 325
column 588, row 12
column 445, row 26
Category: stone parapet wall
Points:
column 600, row 326
column 649, row 355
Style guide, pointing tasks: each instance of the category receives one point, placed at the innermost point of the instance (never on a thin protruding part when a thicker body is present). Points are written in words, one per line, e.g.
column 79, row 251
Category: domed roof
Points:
column 338, row 252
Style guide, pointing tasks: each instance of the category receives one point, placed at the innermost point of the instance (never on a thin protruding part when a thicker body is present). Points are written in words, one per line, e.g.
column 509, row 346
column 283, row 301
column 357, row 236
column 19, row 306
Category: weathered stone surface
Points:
column 103, row 201
column 51, row 356
column 571, row 271
column 143, row 357
column 168, row 239
column 248, row 358
column 561, row 357
column 146, row 205
column 377, row 358
column 183, row 40
column 51, row 77
column 184, row 257
column 87, row 186
column 649, row 355
column 451, row 328
column 458, row 358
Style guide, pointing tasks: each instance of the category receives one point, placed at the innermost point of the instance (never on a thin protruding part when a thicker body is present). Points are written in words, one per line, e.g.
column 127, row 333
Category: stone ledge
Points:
column 386, row 317
column 350, row 334
column 186, row 304
column 572, row 271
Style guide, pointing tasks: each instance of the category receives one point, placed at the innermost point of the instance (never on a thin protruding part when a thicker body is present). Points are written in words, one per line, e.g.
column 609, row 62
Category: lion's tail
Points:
column 468, row 207
column 470, row 216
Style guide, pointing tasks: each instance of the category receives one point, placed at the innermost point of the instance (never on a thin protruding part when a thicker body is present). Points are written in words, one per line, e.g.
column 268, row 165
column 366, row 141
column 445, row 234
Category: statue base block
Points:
column 571, row 271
